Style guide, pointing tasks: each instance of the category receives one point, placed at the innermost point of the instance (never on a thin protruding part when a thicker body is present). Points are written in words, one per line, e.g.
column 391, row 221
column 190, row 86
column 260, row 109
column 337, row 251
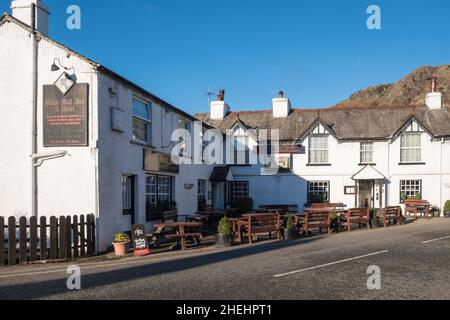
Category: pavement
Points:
column 413, row 260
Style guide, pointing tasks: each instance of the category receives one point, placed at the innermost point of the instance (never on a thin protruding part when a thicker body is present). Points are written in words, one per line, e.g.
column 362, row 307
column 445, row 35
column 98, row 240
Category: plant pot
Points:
column 290, row 233
column 447, row 214
column 223, row 241
column 121, row 248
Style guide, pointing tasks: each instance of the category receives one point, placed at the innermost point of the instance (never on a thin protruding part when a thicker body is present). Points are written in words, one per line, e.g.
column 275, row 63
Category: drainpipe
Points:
column 34, row 172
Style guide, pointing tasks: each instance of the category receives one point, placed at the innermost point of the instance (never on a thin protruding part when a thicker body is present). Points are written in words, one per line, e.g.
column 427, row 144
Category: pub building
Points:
column 101, row 144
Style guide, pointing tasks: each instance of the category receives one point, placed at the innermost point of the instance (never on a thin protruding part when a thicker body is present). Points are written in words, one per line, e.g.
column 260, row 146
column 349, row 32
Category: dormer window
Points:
column 411, row 147
column 318, row 149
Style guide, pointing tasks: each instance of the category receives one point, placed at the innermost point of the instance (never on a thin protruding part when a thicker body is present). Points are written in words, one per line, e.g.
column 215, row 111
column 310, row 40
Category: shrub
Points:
column 121, row 237
column 333, row 215
column 289, row 222
column 224, row 227
column 447, row 206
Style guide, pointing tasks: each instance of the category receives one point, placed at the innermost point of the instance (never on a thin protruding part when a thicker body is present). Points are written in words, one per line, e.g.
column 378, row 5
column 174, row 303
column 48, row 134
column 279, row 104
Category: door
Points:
column 128, row 197
column 365, row 193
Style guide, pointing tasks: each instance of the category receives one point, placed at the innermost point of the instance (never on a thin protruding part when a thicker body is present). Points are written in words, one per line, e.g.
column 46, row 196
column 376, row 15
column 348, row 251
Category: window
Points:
column 158, row 194
column 141, row 121
column 318, row 191
column 241, row 151
column 127, row 194
column 366, row 150
column 239, row 189
column 201, row 190
column 410, row 189
column 318, row 149
column 410, row 148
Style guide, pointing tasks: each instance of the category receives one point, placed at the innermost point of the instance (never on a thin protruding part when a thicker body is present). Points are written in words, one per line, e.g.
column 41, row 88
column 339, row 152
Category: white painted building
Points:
column 112, row 124
column 105, row 142
column 362, row 157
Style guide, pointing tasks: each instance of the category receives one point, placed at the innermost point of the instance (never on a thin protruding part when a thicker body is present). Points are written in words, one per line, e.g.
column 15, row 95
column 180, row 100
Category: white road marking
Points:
column 329, row 264
column 433, row 240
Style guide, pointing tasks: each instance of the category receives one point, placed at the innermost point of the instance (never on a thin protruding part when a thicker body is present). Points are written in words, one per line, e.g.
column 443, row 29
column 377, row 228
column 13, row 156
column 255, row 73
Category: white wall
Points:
column 66, row 185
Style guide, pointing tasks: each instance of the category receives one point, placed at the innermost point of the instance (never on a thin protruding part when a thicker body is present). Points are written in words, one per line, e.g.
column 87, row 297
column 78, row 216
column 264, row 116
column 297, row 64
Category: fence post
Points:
column 53, row 238
column 69, row 236
column 75, row 236
column 43, row 238
column 93, row 233
column 62, row 238
column 22, row 240
column 11, row 241
column 82, row 237
column 2, row 241
column 33, row 239
column 89, row 235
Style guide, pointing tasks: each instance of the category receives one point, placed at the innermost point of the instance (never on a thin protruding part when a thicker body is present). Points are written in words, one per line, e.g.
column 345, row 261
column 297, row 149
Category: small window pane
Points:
column 141, row 110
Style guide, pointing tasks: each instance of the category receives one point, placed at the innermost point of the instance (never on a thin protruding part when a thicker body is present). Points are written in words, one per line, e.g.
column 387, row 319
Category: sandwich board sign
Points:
column 139, row 238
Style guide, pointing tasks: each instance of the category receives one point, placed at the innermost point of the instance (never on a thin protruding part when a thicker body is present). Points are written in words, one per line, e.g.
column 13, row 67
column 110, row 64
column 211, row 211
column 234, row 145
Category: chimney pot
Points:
column 433, row 84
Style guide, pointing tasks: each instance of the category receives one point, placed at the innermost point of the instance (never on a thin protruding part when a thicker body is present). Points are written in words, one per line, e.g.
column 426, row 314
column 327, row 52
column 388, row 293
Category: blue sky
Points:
column 319, row 52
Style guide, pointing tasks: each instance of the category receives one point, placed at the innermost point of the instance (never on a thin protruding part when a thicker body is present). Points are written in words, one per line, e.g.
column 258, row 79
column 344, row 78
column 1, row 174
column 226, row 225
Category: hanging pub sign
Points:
column 159, row 162
column 66, row 116
column 139, row 238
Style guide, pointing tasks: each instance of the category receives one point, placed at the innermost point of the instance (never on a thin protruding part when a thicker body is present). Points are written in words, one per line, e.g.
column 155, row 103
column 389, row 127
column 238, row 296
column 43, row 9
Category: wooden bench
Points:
column 312, row 220
column 391, row 214
column 255, row 224
column 358, row 216
column 417, row 206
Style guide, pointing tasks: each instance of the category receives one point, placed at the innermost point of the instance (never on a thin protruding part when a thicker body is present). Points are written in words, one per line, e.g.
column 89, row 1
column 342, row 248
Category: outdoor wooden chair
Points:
column 360, row 216
column 391, row 215
column 256, row 224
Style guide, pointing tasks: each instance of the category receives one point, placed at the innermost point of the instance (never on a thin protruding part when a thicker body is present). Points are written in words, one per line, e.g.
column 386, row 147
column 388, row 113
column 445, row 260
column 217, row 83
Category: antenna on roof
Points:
column 209, row 93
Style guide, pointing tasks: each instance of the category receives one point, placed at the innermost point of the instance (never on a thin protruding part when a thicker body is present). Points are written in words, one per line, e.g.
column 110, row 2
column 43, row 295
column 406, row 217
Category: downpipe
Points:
column 34, row 172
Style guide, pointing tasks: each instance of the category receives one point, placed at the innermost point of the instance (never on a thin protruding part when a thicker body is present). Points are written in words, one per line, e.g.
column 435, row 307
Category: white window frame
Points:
column 366, row 152
column 411, row 188
column 147, row 122
column 407, row 149
column 240, row 189
column 318, row 187
column 315, row 156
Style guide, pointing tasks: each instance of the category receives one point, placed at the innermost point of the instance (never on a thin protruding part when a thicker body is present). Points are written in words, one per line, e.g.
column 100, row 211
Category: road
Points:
column 414, row 261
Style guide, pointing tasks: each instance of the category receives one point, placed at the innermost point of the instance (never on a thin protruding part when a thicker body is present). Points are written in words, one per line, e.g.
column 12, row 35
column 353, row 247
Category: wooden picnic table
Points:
column 181, row 234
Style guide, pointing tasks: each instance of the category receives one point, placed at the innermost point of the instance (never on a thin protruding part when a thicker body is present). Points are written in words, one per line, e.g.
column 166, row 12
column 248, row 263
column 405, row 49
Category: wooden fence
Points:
column 25, row 240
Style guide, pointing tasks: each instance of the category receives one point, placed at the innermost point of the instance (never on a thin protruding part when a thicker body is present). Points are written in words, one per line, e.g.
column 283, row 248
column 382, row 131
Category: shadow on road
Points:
column 44, row 288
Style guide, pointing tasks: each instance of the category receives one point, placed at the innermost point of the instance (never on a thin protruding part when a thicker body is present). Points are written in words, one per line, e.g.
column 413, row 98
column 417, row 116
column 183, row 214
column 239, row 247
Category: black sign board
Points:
column 66, row 116
column 139, row 238
column 160, row 162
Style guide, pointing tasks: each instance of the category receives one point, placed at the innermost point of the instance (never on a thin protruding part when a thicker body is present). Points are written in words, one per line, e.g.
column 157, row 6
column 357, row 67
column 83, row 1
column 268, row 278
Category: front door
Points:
column 365, row 193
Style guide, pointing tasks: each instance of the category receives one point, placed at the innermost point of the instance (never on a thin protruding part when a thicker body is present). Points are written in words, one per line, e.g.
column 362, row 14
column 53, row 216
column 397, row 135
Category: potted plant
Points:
column 334, row 221
column 121, row 244
column 447, row 209
column 223, row 238
column 290, row 232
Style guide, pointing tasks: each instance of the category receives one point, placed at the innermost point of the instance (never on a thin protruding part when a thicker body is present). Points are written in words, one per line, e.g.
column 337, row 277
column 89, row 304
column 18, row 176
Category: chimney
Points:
column 281, row 106
column 219, row 109
column 434, row 98
column 21, row 10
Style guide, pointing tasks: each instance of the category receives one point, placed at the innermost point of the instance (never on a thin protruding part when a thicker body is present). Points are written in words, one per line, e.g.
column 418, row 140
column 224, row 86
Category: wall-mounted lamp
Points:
column 40, row 158
column 55, row 66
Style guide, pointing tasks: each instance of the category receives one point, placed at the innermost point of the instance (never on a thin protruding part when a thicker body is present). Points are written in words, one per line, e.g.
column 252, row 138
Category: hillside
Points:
column 410, row 90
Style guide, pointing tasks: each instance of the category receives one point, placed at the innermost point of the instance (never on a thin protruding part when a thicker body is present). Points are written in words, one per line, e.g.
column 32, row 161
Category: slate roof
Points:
column 351, row 123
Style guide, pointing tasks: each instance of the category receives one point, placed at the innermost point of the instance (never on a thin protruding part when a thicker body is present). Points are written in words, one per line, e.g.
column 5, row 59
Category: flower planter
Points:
column 223, row 241
column 290, row 233
column 121, row 248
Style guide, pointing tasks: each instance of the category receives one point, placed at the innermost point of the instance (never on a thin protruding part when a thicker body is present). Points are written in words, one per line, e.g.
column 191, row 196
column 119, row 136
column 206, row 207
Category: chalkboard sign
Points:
column 140, row 242
column 66, row 116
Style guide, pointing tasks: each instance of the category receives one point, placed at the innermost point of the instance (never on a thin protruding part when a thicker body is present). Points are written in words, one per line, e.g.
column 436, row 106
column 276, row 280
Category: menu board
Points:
column 66, row 116
column 140, row 242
